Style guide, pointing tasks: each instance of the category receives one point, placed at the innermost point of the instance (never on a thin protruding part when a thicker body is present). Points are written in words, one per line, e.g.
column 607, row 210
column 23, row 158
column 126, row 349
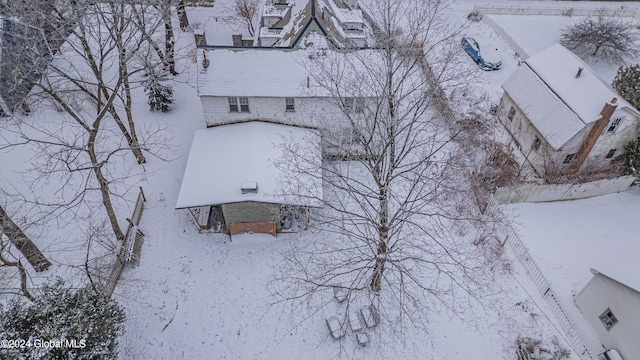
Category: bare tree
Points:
column 9, row 261
column 104, row 56
column 407, row 235
column 247, row 10
column 611, row 39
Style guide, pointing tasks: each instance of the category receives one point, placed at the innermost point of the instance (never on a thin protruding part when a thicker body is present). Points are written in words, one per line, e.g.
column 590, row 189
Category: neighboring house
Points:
column 241, row 177
column 611, row 304
column 287, row 23
column 563, row 118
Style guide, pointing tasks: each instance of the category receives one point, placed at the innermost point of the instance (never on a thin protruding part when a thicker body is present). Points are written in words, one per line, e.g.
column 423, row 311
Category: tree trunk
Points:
column 20, row 240
column 104, row 186
column 169, row 40
column 131, row 136
column 23, row 275
column 383, row 237
column 182, row 16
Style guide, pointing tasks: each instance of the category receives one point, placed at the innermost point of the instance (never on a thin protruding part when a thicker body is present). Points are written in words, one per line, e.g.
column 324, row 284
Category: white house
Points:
column 563, row 117
column 611, row 304
column 274, row 85
column 241, row 175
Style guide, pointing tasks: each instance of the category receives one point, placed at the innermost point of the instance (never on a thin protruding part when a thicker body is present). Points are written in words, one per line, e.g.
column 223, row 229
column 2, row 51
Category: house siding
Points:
column 524, row 133
column 624, row 133
column 547, row 159
column 313, row 112
column 602, row 293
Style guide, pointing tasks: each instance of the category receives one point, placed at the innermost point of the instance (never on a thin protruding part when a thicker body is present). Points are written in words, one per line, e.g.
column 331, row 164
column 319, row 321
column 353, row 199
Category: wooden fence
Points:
column 131, row 248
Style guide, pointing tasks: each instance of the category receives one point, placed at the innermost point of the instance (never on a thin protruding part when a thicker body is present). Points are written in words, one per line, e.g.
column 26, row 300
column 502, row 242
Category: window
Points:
column 358, row 105
column 234, row 101
column 290, row 104
column 348, row 105
column 353, row 105
column 608, row 319
column 345, row 138
column 512, row 113
column 536, row 144
column 611, row 153
column 244, row 104
column 569, row 158
column 233, row 104
column 614, row 124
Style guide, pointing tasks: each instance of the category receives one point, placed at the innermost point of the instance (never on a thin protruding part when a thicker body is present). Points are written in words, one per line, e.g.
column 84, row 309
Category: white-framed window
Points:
column 611, row 153
column 512, row 113
column 569, row 158
column 614, row 124
column 244, row 104
column 242, row 101
column 290, row 104
column 353, row 105
column 233, row 104
column 536, row 144
column 608, row 319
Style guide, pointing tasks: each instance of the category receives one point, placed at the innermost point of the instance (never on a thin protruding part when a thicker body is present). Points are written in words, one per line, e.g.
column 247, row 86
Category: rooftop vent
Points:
column 579, row 72
column 250, row 187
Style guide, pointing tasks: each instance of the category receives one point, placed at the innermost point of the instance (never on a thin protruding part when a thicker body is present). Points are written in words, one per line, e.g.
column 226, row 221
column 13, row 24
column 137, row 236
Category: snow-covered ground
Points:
column 197, row 295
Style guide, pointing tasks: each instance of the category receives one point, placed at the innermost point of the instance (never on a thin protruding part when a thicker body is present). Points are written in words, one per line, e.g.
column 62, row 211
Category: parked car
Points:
column 487, row 58
column 612, row 354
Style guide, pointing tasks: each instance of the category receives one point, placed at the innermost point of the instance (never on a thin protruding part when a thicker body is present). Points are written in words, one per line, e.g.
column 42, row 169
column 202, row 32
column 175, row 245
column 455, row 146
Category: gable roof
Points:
column 222, row 158
column 266, row 72
column 627, row 274
column 304, row 17
column 558, row 103
column 253, row 73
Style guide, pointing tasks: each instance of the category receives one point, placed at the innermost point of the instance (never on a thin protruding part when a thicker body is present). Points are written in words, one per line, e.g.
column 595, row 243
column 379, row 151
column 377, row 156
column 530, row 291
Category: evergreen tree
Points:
column 62, row 324
column 160, row 95
column 632, row 158
column 627, row 84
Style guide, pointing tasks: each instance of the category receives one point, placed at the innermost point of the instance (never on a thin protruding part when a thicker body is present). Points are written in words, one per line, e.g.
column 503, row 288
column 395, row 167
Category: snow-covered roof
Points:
column 253, row 72
column 627, row 273
column 264, row 72
column 558, row 103
column 222, row 158
column 547, row 112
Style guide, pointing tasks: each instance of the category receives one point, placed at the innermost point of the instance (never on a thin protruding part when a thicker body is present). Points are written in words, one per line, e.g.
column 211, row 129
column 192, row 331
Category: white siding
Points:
column 524, row 132
column 602, row 293
column 315, row 112
column 624, row 133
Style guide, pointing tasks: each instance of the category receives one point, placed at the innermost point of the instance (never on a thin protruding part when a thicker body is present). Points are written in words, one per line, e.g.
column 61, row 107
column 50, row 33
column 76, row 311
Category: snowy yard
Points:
column 201, row 296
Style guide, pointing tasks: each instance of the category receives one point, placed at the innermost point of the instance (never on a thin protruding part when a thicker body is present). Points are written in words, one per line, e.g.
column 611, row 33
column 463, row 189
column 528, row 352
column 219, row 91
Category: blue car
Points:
column 487, row 60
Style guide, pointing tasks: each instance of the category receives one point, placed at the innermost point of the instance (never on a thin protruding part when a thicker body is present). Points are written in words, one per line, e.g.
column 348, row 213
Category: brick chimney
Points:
column 594, row 134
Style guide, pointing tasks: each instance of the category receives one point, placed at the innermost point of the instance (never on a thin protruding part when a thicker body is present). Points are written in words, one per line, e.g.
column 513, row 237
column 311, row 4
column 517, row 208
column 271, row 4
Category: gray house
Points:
column 611, row 304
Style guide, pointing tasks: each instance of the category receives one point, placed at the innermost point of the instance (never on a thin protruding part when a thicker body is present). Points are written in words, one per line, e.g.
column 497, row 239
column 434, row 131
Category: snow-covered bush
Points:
column 61, row 323
column 536, row 349
column 160, row 95
column 627, row 84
